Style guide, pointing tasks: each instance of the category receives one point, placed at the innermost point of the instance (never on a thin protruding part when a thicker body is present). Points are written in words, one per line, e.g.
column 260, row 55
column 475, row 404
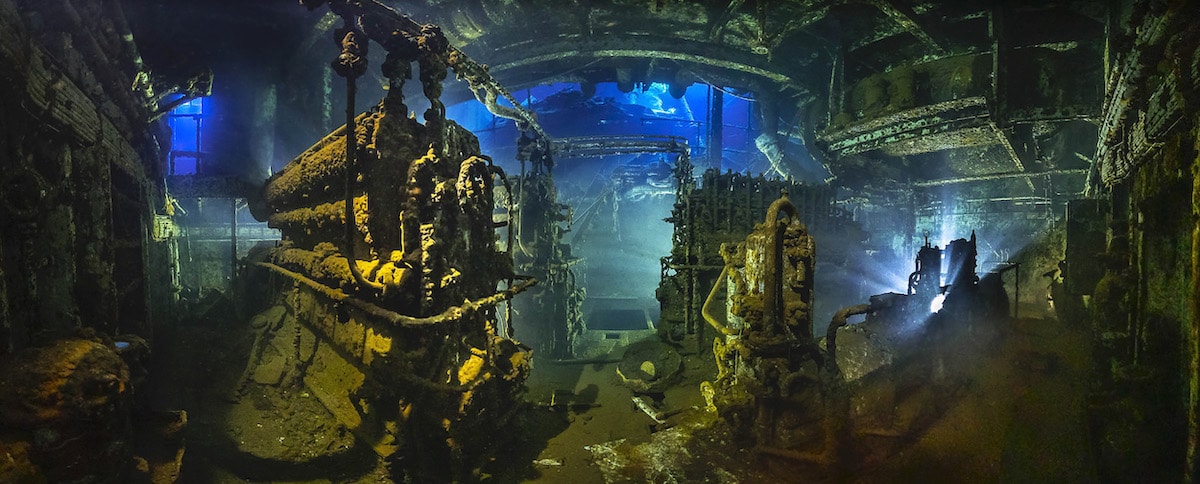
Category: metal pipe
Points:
column 773, row 287
column 508, row 246
column 840, row 319
column 706, row 310
column 999, row 176
column 382, row 22
column 351, row 174
column 233, row 252
column 454, row 313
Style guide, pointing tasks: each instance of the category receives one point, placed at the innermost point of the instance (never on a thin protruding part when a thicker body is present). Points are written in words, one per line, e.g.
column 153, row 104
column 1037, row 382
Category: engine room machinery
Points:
column 389, row 258
column 859, row 393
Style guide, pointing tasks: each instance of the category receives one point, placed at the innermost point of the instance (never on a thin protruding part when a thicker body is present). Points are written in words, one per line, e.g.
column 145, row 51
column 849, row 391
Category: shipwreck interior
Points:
column 599, row 241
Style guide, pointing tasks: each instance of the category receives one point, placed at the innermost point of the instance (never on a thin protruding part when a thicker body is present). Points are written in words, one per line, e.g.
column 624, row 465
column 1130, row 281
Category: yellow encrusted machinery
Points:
column 389, row 258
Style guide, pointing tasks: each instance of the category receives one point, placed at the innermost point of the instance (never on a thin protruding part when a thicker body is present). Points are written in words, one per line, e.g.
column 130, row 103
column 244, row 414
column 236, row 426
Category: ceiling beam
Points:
column 908, row 20
column 717, row 26
column 1006, row 142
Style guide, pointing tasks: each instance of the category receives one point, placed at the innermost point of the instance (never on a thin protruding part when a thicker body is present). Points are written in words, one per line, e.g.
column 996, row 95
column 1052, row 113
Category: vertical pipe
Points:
column 262, row 132
column 233, row 252
column 327, row 98
column 692, row 249
column 199, row 148
column 729, row 203
column 352, row 173
column 773, row 272
column 6, row 339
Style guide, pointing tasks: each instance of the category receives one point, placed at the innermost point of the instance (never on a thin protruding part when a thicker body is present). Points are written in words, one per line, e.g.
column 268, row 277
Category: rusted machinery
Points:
column 551, row 317
column 389, row 252
column 863, row 391
column 775, row 385
column 722, row 208
column 65, row 415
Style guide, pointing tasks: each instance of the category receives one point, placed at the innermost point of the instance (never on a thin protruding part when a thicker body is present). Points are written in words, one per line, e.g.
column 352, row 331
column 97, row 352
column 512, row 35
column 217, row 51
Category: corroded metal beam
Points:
column 998, row 176
column 188, row 186
column 1006, row 142
column 593, row 146
column 906, row 18
column 582, row 50
column 940, row 118
column 451, row 314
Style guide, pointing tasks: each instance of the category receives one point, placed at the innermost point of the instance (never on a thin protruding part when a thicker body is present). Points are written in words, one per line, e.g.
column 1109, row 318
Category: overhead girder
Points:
column 570, row 52
column 720, row 43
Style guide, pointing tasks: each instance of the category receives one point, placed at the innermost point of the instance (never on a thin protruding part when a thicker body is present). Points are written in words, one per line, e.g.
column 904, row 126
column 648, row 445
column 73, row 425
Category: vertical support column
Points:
column 327, row 98
column 837, row 94
column 997, row 29
column 262, row 131
column 716, row 126
column 1017, row 291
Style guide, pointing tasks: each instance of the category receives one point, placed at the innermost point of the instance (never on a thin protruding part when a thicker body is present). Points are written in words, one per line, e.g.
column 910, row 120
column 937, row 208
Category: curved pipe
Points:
column 839, row 320
column 769, row 143
column 351, row 174
column 706, row 309
column 773, row 290
column 452, row 314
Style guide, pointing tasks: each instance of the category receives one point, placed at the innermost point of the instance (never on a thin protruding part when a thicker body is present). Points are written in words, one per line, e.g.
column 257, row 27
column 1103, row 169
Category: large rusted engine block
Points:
column 409, row 357
column 774, row 385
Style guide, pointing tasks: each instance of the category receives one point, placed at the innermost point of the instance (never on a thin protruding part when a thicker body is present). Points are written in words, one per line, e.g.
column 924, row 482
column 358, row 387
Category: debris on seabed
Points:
column 649, row 409
column 548, row 462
